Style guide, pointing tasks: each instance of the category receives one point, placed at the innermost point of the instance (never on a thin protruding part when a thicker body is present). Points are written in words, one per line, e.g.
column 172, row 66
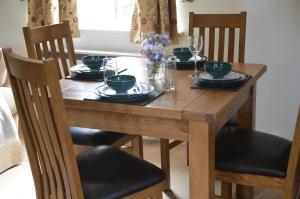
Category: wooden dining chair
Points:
column 258, row 159
column 223, row 35
column 224, row 40
column 103, row 172
column 55, row 41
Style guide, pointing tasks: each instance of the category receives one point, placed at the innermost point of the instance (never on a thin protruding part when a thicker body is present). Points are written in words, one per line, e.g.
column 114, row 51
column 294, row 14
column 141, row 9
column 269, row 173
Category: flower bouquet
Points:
column 153, row 49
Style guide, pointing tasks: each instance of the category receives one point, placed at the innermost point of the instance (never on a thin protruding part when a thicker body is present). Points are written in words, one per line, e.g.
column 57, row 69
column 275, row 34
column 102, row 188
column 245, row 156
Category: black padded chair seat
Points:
column 93, row 137
column 252, row 152
column 110, row 173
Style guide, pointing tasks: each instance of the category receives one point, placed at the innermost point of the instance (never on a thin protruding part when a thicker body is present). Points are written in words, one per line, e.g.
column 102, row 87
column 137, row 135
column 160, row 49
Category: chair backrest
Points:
column 221, row 33
column 293, row 171
column 51, row 41
column 39, row 102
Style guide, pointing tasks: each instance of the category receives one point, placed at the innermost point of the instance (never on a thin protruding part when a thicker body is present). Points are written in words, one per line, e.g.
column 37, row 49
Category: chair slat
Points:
column 221, row 44
column 191, row 21
column 231, row 44
column 30, row 140
column 242, row 40
column 45, row 103
column 38, row 50
column 62, row 56
column 42, row 156
column 202, row 34
column 45, row 50
column 55, row 56
column 48, row 137
column 211, row 49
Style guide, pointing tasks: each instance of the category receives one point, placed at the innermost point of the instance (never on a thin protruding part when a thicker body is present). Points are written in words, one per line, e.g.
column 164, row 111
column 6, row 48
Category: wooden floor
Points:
column 20, row 177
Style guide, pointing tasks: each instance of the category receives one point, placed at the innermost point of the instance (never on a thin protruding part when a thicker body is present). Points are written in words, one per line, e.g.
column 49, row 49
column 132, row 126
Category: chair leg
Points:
column 244, row 192
column 137, row 146
column 226, row 190
column 154, row 192
column 80, row 149
column 187, row 154
column 165, row 160
column 158, row 195
column 291, row 191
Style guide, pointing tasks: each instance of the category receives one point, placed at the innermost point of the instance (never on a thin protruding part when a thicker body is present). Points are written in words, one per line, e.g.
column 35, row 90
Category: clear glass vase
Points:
column 155, row 69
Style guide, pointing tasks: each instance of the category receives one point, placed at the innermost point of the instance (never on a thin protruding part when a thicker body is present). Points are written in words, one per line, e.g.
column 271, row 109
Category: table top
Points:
column 184, row 104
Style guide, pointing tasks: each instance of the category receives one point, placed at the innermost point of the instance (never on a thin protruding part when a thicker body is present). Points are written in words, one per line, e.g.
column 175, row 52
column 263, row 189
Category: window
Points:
column 105, row 14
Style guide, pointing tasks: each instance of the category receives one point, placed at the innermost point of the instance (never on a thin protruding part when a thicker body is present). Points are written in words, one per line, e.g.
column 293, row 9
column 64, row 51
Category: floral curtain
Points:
column 154, row 16
column 46, row 12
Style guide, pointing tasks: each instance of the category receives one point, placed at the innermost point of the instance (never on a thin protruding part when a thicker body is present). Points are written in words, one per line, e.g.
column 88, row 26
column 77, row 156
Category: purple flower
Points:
column 153, row 47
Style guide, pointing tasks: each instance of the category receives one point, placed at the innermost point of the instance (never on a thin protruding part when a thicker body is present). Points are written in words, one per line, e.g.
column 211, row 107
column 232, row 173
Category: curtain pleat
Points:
column 154, row 16
column 46, row 12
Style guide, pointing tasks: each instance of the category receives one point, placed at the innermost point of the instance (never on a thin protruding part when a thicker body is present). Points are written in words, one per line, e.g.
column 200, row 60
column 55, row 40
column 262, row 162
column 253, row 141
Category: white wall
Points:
column 273, row 30
column 13, row 16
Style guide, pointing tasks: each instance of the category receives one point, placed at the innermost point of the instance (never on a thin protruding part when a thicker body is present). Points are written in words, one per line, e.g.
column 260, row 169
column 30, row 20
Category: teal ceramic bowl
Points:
column 121, row 83
column 217, row 69
column 184, row 54
column 94, row 62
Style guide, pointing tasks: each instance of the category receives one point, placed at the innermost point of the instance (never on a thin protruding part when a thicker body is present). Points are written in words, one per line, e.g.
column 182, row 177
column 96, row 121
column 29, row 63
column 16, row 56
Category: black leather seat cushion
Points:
column 252, row 152
column 93, row 137
column 110, row 173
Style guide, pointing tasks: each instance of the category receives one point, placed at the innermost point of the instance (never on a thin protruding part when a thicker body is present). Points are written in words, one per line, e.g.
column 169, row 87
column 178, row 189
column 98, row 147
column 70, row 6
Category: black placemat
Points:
column 152, row 96
column 221, row 86
column 93, row 76
column 86, row 77
column 190, row 64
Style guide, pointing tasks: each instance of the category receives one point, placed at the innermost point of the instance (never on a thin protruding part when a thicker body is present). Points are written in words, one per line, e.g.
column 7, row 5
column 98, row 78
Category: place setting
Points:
column 125, row 89
column 93, row 67
column 186, row 60
column 188, row 57
column 219, row 75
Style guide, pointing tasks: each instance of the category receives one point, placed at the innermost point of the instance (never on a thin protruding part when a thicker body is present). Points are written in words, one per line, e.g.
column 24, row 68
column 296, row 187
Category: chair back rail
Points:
column 225, row 34
column 51, row 41
column 44, row 126
column 292, row 177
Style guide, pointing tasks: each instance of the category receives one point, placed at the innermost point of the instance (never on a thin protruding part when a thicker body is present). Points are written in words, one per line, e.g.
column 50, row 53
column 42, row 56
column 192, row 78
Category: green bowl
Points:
column 183, row 54
column 217, row 69
column 121, row 83
column 93, row 61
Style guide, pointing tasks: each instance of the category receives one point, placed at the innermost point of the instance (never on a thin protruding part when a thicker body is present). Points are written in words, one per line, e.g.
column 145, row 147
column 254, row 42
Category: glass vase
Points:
column 155, row 69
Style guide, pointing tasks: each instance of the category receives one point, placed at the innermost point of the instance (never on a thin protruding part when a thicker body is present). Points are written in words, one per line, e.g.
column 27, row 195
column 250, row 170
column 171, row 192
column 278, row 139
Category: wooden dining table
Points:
column 192, row 115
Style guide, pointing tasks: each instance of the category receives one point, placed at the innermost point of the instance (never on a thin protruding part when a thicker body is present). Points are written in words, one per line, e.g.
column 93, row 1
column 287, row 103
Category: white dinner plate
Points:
column 231, row 76
column 137, row 90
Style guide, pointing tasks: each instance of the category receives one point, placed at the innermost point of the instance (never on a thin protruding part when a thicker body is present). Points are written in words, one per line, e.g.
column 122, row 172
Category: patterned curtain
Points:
column 46, row 12
column 154, row 16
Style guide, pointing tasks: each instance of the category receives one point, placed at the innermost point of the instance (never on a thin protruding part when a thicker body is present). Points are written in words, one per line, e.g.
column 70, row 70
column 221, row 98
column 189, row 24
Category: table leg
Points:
column 244, row 192
column 202, row 160
column 137, row 146
column 165, row 160
column 246, row 114
column 246, row 120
